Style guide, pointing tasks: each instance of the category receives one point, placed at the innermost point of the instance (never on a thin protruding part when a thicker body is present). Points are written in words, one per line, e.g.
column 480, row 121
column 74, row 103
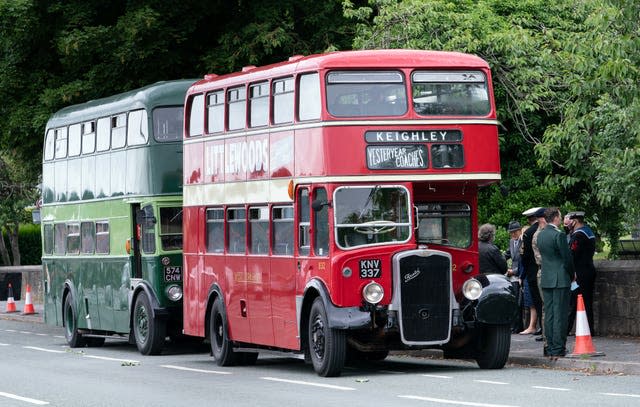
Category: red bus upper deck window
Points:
column 461, row 93
column 283, row 101
column 237, row 108
column 196, row 116
column 309, row 102
column 215, row 112
column 375, row 93
column 259, row 109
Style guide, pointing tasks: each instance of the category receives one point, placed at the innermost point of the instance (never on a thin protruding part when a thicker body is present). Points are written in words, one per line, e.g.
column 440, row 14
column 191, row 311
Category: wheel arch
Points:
column 214, row 292
column 69, row 289
column 143, row 286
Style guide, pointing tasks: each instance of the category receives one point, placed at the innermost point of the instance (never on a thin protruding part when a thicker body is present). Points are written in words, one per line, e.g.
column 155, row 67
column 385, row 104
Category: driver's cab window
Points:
column 303, row 222
column 147, row 223
column 444, row 223
column 371, row 215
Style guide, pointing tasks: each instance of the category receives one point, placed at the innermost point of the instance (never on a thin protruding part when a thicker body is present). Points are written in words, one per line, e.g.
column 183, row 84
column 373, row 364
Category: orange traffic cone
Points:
column 11, row 304
column 28, row 305
column 584, row 345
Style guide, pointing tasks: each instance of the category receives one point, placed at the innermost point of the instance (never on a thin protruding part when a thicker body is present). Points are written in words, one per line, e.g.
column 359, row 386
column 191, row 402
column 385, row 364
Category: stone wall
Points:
column 616, row 302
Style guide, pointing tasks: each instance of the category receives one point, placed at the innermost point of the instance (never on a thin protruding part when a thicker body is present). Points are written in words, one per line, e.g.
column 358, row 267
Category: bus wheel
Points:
column 221, row 347
column 148, row 332
column 327, row 346
column 74, row 338
column 496, row 343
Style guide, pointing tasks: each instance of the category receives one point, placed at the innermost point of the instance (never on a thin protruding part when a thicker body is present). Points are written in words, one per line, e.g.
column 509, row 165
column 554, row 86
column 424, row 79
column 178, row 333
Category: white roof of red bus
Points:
column 387, row 58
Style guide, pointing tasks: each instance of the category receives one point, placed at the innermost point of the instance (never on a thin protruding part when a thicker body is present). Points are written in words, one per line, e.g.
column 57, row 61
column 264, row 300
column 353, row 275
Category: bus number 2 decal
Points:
column 370, row 268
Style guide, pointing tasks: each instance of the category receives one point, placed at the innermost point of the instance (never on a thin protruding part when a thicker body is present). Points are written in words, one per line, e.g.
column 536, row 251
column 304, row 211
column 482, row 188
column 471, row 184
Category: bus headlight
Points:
column 174, row 292
column 472, row 289
column 373, row 293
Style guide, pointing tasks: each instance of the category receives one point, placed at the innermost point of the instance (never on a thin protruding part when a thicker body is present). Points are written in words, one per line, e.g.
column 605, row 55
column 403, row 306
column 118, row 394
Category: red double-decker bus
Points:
column 330, row 209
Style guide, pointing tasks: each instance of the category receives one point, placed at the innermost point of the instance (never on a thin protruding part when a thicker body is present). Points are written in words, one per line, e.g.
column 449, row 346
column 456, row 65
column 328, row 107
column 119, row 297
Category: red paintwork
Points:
column 268, row 285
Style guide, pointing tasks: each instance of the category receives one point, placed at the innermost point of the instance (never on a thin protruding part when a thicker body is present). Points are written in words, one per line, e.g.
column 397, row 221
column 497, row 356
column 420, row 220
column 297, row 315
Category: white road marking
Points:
column 4, row 344
column 456, row 402
column 26, row 332
column 59, row 337
column 436, row 376
column 44, row 350
column 111, row 359
column 551, row 388
column 327, row 386
column 622, row 395
column 10, row 330
column 489, row 382
column 42, row 334
column 25, row 399
column 188, row 369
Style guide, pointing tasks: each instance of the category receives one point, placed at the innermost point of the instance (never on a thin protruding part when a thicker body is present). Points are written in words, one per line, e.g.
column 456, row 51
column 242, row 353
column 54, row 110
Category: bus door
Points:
column 283, row 277
column 235, row 274
column 259, row 276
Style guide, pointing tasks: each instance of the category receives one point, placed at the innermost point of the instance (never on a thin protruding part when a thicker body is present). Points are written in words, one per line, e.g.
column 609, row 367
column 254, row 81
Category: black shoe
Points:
column 540, row 338
column 538, row 332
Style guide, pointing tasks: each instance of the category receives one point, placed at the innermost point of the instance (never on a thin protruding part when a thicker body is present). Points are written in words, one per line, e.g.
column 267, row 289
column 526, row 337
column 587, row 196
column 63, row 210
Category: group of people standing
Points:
column 551, row 262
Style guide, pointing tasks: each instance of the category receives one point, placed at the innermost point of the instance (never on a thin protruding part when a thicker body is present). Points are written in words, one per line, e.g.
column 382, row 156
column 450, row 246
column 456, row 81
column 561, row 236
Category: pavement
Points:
column 621, row 354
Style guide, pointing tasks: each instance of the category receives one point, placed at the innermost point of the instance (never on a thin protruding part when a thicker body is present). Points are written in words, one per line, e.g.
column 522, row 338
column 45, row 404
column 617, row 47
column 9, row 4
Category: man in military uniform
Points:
column 557, row 274
column 582, row 244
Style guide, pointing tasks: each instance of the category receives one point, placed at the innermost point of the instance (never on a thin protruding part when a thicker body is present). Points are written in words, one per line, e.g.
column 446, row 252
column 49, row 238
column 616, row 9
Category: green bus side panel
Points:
column 101, row 291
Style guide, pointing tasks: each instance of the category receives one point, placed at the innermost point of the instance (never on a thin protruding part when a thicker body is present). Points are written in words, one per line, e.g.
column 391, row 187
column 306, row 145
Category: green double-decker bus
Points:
column 112, row 217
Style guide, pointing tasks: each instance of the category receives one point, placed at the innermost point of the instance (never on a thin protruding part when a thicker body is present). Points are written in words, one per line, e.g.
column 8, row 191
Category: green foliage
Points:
column 566, row 75
column 566, row 78
column 30, row 244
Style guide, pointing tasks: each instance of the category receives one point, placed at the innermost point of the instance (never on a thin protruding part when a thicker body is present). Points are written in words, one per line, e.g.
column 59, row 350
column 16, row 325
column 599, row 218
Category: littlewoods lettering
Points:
column 237, row 157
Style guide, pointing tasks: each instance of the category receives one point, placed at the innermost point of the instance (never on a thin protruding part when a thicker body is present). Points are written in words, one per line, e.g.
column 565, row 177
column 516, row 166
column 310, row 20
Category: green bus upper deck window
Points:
column 118, row 130
column 137, row 128
column 167, row 123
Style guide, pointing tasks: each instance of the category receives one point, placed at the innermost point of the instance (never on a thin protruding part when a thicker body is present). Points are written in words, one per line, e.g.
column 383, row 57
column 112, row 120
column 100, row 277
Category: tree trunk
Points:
column 15, row 246
column 6, row 261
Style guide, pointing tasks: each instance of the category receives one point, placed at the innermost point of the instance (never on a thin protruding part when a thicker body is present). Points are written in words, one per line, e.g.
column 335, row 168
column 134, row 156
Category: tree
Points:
column 594, row 150
column 55, row 53
column 566, row 83
column 17, row 191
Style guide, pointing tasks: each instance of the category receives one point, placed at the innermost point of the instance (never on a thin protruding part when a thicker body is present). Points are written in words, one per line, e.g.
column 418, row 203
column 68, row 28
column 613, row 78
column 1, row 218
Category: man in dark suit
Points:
column 557, row 274
column 530, row 270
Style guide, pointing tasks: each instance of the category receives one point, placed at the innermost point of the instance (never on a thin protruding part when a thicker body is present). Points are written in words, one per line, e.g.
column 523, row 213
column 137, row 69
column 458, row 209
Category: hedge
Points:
column 30, row 241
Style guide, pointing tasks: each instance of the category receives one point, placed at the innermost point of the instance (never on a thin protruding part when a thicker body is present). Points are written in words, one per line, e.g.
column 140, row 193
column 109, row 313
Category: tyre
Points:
column 495, row 346
column 149, row 333
column 70, row 322
column 221, row 346
column 327, row 346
